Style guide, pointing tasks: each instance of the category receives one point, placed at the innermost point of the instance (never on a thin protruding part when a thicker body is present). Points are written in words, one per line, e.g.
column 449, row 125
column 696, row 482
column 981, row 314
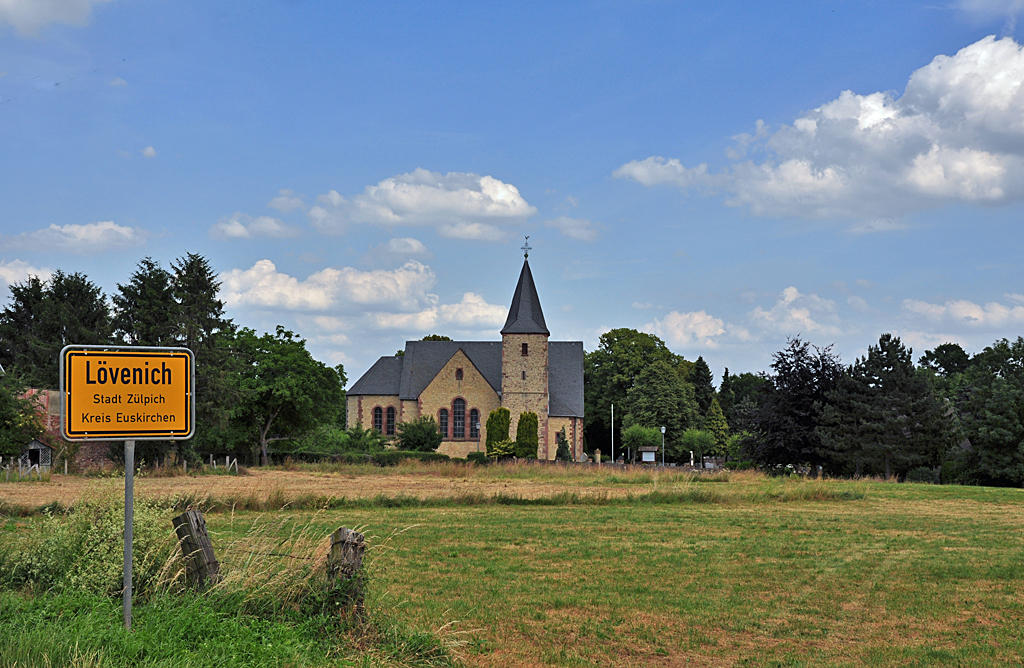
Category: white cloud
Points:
column 878, row 225
column 992, row 9
column 403, row 246
column 149, row 152
column 16, row 271
column 859, row 304
column 83, row 239
column 241, row 226
column 345, row 289
column 464, row 206
column 118, row 81
column 796, row 313
column 28, row 16
column 575, row 228
column 286, row 201
column 472, row 312
column 964, row 312
column 683, row 329
column 657, row 170
column 955, row 135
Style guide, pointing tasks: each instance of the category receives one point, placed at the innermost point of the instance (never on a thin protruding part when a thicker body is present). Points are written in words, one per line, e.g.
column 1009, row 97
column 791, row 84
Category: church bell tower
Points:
column 524, row 357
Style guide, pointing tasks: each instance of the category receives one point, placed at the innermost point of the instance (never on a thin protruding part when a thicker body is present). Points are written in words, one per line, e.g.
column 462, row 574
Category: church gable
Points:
column 459, row 397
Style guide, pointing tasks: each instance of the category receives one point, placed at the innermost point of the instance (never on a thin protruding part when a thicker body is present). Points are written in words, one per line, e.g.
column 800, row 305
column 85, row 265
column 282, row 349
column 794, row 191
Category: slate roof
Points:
column 384, row 377
column 424, row 359
column 408, row 375
column 565, row 379
column 525, row 315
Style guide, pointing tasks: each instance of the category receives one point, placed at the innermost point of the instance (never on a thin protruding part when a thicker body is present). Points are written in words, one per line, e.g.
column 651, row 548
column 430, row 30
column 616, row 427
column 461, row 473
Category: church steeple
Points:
column 525, row 315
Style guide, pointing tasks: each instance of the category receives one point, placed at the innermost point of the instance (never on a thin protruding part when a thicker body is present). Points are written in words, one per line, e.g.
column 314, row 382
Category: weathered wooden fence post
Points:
column 345, row 568
column 201, row 566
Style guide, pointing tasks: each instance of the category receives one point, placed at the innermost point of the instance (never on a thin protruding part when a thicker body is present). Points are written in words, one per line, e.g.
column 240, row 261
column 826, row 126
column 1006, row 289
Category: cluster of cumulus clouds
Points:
column 956, row 134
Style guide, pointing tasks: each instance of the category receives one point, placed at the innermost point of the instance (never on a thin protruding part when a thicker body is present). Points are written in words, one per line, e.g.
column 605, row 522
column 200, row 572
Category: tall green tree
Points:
column 527, row 440
column 43, row 317
column 145, row 310
column 736, row 391
column 661, row 398
column 608, row 374
column 285, row 392
column 783, row 426
column 203, row 328
column 703, row 385
column 946, row 360
column 883, row 417
column 990, row 406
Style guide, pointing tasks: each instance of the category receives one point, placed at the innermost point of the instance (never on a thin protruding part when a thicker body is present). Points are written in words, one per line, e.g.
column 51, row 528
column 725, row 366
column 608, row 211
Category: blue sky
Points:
column 721, row 174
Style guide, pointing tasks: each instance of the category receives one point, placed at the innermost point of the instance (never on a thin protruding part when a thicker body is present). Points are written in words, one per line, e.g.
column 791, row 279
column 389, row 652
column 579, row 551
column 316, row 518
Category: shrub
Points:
column 921, row 474
column 477, row 457
column 502, row 449
column 526, row 436
column 419, row 435
column 498, row 423
column 395, row 457
column 84, row 549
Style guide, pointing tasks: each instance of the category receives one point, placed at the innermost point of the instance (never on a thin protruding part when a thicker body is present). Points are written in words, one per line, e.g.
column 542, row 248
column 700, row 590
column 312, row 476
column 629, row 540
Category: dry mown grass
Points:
column 412, row 480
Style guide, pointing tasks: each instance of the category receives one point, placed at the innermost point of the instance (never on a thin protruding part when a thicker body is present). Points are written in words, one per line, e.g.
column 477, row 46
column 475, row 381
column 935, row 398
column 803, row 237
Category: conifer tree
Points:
column 703, row 385
column 563, row 453
column 727, row 395
column 715, row 423
column 498, row 423
column 883, row 416
column 527, row 440
column 146, row 313
column 45, row 316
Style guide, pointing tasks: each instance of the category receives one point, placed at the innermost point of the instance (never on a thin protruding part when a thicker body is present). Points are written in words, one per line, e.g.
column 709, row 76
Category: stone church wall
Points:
column 530, row 394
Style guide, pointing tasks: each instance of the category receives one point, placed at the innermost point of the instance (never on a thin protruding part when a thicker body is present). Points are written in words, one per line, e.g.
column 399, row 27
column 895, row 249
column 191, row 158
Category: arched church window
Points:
column 378, row 419
column 459, row 418
column 442, row 422
column 526, row 350
column 474, row 423
column 391, row 421
column 458, row 374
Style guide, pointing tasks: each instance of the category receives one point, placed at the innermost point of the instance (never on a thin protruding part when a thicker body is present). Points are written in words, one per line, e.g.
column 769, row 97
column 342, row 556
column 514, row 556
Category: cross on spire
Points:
column 526, row 247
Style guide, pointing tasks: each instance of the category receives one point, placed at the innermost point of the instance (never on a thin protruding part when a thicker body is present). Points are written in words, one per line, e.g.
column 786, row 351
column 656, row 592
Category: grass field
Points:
column 643, row 569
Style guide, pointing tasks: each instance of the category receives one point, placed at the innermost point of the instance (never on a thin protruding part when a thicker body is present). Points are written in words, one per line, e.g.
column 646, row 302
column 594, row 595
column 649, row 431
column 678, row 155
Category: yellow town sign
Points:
column 113, row 393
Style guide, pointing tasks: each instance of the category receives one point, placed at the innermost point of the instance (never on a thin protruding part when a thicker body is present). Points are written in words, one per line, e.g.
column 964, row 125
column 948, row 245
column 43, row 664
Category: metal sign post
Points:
column 129, row 517
column 127, row 393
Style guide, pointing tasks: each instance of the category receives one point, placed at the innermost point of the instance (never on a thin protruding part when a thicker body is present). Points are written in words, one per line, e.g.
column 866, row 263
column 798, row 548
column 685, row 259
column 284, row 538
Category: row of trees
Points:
column 652, row 387
column 883, row 415
column 252, row 389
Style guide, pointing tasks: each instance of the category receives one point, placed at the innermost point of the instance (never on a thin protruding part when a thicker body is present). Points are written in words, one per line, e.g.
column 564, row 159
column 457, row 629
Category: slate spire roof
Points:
column 525, row 315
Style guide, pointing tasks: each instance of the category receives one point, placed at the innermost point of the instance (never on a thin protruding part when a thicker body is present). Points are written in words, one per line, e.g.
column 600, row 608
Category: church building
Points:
column 459, row 383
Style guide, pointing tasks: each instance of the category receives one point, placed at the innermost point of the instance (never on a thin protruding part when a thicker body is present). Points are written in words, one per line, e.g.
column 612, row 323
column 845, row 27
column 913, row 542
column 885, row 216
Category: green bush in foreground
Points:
column 84, row 549
column 60, row 604
column 420, row 435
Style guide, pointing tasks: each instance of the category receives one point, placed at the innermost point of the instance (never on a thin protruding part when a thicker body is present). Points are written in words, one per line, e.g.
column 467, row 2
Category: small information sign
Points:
column 121, row 393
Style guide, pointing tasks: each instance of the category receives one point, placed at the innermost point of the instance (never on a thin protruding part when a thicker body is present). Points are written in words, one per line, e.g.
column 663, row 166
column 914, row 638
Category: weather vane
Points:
column 526, row 247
